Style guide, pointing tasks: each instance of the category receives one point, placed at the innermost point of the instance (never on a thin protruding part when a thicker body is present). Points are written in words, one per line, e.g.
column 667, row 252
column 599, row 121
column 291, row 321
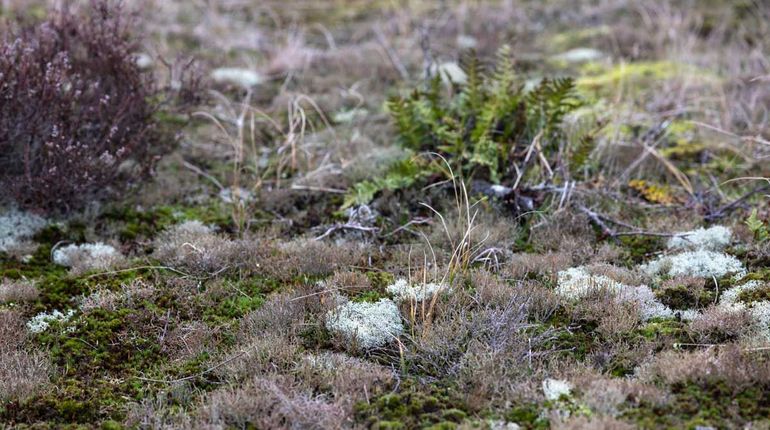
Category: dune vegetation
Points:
column 371, row 214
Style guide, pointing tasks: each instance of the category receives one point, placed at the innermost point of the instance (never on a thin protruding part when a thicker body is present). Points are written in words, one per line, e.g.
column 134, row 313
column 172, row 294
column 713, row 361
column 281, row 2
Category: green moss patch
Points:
column 572, row 338
column 598, row 78
column 135, row 223
column 755, row 295
column 714, row 404
column 414, row 406
column 527, row 416
column 638, row 248
column 682, row 297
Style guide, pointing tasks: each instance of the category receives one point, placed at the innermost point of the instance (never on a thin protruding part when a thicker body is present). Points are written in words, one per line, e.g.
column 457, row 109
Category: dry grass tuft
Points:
column 736, row 367
column 17, row 290
column 273, row 402
column 197, row 248
column 188, row 340
column 481, row 341
column 270, row 353
column 615, row 319
column 350, row 282
column 129, row 295
column 22, row 373
column 309, row 257
column 13, row 331
column 717, row 325
column 521, row 266
column 618, row 274
column 284, row 314
column 269, row 340
column 347, row 378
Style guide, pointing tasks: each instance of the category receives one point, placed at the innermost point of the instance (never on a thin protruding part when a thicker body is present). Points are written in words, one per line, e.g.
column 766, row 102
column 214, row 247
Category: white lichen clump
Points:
column 347, row 116
column 16, row 226
column 88, row 256
column 245, row 78
column 730, row 297
column 40, row 322
column 554, row 389
column 576, row 283
column 369, row 325
column 759, row 310
column 229, row 195
column 402, row 290
column 700, row 264
column 502, row 425
column 713, row 239
column 191, row 227
column 649, row 305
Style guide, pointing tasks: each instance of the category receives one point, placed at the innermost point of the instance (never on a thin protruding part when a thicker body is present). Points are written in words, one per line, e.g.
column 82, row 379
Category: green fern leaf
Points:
column 581, row 153
column 757, row 227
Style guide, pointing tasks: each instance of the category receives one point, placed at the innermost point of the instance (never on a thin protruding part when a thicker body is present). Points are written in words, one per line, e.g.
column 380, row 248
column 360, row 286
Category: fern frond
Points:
column 757, row 227
column 483, row 128
column 581, row 153
column 473, row 95
column 505, row 73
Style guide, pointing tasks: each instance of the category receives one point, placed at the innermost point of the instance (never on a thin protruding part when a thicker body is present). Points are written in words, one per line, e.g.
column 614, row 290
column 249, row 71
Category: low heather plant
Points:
column 76, row 112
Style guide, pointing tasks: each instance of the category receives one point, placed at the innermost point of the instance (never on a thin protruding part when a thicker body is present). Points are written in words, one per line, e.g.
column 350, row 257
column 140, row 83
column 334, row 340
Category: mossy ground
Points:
column 655, row 168
column 414, row 406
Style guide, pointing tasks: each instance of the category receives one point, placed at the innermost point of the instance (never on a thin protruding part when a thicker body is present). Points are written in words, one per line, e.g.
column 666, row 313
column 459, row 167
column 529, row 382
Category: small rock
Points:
column 143, row 61
column 242, row 77
column 465, row 41
column 579, row 55
column 450, row 72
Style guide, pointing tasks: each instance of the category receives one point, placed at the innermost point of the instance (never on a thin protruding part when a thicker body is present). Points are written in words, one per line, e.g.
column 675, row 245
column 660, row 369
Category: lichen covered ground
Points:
column 285, row 268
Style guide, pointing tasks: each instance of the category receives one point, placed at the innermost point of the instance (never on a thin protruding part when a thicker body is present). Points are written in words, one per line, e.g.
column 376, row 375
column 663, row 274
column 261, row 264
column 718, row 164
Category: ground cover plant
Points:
column 384, row 215
column 76, row 109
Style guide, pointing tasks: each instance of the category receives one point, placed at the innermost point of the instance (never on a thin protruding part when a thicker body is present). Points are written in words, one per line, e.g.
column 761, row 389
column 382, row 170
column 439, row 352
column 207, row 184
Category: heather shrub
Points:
column 77, row 117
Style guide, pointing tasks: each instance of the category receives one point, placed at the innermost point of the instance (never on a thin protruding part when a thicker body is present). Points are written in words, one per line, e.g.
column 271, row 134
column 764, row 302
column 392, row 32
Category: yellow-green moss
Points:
column 570, row 39
column 653, row 193
column 598, row 78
